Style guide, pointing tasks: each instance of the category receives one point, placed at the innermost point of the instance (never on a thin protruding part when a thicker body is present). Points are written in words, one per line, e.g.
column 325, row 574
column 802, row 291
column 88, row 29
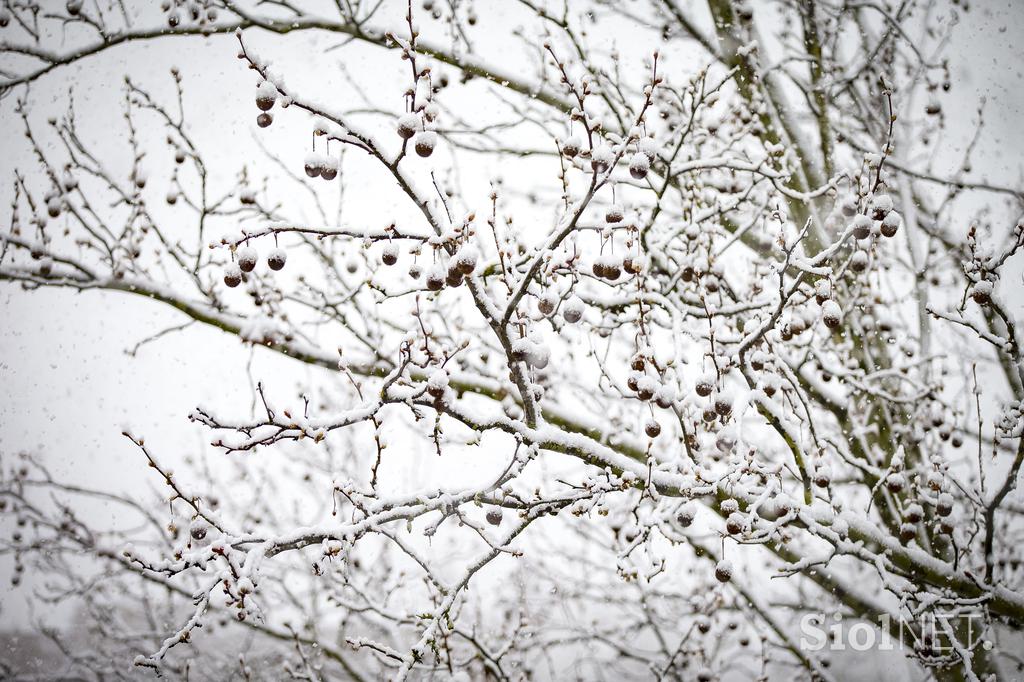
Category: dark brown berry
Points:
column 276, row 259
column 425, row 142
column 232, row 275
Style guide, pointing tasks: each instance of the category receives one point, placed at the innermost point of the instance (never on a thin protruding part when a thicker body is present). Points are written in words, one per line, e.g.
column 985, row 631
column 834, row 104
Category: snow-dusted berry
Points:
column 614, row 214
column 435, row 278
column 266, row 96
column 634, row 265
column 453, row 277
column 200, row 532
column 639, row 166
column 408, row 125
column 232, row 275
column 822, row 290
column 547, row 302
column 645, row 388
column 859, row 261
column 895, row 482
column 494, row 516
column 687, row 512
column 723, row 404
column 822, row 476
column 665, row 396
column 247, row 258
column 652, row 428
column 329, row 168
column 466, row 259
column 723, row 571
column 389, row 253
column 601, row 158
column 608, row 267
column 862, row 226
column 705, row 385
column 880, row 206
column 831, row 314
column 572, row 146
column 890, row 224
column 264, row 119
column 944, row 506
column 425, row 142
column 276, row 259
column 74, row 7
column 437, row 384
column 313, row 164
column 572, row 309
column 981, row 292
